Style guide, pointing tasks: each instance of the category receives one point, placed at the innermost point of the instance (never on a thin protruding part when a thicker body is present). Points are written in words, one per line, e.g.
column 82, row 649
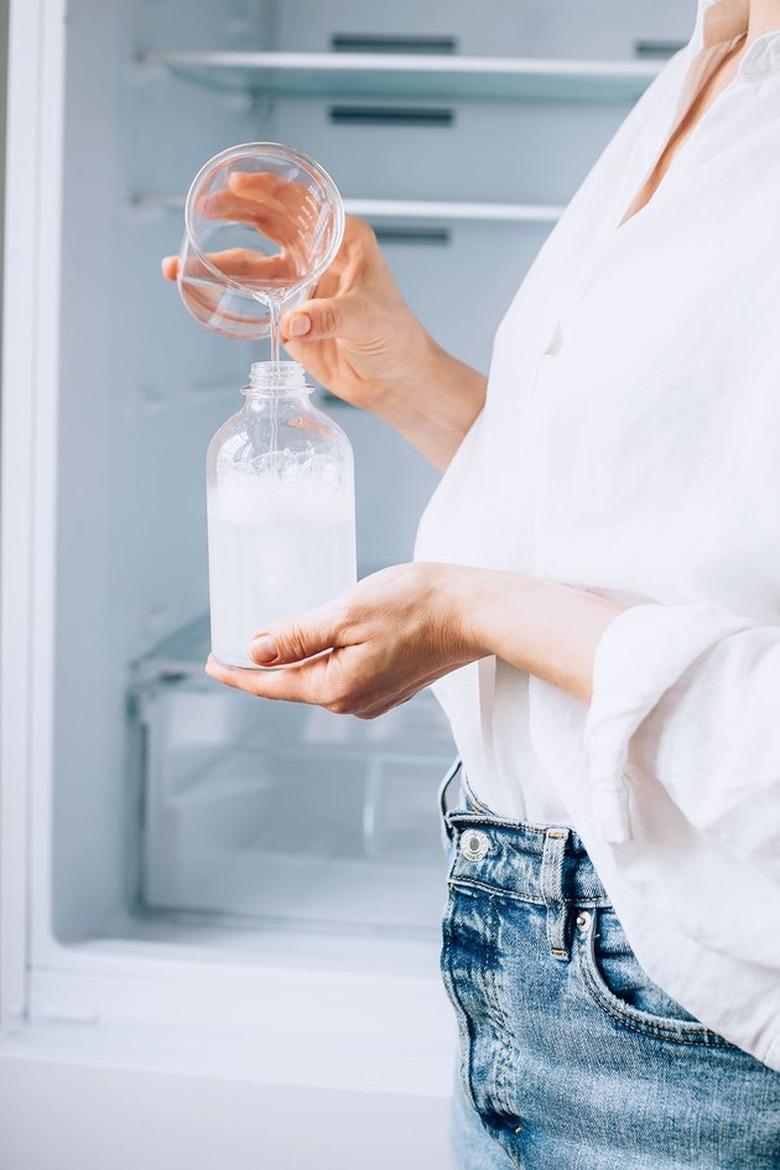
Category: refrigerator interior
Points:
column 182, row 819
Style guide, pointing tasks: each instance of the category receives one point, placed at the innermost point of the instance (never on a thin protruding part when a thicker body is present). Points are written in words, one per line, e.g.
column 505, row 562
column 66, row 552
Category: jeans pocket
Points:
column 617, row 984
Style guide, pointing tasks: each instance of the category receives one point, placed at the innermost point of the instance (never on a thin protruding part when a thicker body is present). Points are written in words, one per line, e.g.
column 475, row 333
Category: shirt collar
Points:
column 723, row 20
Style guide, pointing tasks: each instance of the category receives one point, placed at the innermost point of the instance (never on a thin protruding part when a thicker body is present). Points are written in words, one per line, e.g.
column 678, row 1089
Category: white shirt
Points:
column 630, row 445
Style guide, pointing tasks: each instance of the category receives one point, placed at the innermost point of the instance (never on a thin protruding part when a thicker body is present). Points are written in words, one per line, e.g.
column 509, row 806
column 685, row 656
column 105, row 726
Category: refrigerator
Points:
column 219, row 918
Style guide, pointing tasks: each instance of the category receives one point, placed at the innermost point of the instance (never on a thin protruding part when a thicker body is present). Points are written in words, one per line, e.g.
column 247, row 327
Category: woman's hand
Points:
column 356, row 335
column 393, row 634
column 403, row 628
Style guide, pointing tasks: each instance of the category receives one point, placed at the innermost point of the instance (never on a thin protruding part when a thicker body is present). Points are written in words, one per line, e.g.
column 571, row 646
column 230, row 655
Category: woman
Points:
column 596, row 595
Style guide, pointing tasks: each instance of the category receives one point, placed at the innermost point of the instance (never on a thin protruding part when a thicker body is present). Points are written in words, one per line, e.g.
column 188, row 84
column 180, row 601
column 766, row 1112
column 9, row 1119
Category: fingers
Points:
column 287, row 213
column 296, row 684
column 169, row 267
column 292, row 641
column 265, row 187
column 311, row 675
column 283, row 214
column 284, row 211
column 225, row 204
column 252, row 266
column 252, row 269
column 257, row 184
column 316, row 320
column 325, row 682
column 296, row 202
column 237, row 262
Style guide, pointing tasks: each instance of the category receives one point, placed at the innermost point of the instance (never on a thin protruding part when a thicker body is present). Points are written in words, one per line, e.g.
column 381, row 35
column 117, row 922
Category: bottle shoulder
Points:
column 330, row 425
column 291, row 429
column 231, row 425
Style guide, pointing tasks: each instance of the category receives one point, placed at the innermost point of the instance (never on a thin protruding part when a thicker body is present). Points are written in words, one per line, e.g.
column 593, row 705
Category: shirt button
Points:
column 474, row 844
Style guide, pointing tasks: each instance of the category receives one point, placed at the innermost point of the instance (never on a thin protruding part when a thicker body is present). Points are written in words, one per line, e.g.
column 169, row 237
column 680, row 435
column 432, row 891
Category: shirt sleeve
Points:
column 692, row 694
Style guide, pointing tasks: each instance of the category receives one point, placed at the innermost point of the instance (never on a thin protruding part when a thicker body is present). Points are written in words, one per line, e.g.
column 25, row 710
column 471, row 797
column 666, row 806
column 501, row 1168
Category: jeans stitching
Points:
column 501, row 1026
column 464, row 1023
column 496, row 822
column 552, row 887
column 502, row 892
column 681, row 1032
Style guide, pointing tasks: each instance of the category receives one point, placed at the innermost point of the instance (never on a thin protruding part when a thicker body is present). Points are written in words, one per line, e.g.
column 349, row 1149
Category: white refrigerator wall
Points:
column 601, row 31
column 137, row 408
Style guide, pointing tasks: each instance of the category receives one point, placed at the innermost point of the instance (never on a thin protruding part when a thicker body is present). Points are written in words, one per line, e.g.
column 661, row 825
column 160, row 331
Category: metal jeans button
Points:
column 474, row 844
column 583, row 921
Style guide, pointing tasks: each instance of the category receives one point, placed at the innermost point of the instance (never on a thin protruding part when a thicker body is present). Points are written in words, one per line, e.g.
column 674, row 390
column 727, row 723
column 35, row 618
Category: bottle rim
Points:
column 275, row 378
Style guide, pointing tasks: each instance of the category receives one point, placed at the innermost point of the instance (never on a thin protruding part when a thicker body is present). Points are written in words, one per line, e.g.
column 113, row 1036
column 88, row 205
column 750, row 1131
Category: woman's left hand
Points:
column 393, row 634
column 403, row 628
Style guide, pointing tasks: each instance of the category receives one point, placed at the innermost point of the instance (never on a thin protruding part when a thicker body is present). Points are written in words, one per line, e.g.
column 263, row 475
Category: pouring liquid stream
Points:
column 274, row 316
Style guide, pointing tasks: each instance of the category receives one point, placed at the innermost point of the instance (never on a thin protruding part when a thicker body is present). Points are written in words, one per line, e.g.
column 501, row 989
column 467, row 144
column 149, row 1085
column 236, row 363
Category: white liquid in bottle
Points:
column 281, row 512
column 273, row 554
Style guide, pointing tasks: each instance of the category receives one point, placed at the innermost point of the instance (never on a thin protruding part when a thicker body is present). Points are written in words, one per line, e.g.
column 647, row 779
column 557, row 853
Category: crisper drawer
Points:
column 289, row 815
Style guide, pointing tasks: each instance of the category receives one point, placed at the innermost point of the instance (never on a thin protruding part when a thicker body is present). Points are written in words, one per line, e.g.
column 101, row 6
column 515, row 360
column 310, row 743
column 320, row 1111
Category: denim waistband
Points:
column 544, row 864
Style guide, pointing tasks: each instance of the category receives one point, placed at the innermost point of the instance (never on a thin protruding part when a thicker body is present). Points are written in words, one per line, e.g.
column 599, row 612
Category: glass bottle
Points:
column 281, row 510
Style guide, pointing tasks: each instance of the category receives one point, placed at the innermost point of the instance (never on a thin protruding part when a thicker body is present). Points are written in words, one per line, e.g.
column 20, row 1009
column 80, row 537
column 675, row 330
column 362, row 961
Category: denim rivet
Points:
column 474, row 844
column 583, row 920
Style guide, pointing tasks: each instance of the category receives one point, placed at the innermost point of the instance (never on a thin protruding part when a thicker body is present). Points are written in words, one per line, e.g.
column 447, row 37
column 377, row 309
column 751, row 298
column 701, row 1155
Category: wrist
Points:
column 543, row 627
column 417, row 360
column 462, row 599
column 421, row 365
column 432, row 398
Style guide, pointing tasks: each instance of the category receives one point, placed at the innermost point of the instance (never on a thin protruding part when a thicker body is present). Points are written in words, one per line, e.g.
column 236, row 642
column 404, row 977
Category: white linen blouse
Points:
column 630, row 445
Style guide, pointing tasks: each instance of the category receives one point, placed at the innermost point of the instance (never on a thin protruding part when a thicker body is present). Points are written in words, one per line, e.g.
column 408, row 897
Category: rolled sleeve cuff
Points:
column 642, row 652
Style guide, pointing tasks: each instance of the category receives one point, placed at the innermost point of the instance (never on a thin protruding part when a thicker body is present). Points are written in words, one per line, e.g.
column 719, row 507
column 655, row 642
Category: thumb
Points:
column 296, row 639
column 327, row 317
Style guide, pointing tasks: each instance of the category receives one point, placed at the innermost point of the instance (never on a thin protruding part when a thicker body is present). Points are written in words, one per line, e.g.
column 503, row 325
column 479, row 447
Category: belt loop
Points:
column 551, row 881
column 447, row 832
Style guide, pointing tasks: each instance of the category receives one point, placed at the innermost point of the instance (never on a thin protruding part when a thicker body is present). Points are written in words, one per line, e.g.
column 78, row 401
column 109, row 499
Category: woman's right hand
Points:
column 356, row 335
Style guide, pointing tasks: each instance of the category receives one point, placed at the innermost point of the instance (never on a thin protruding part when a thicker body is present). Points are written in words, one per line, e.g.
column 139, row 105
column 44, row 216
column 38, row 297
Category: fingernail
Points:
column 262, row 649
column 299, row 324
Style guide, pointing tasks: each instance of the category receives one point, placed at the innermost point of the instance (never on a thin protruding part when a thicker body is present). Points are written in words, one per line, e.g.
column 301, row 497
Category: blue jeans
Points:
column 570, row 1057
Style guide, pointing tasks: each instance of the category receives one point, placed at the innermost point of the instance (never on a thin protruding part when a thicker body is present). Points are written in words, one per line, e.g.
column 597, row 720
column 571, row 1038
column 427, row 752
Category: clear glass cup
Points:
column 262, row 222
column 281, row 511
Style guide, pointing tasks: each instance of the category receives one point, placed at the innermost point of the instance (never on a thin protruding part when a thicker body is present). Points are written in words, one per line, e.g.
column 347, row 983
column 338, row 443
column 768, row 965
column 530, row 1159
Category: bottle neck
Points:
column 272, row 380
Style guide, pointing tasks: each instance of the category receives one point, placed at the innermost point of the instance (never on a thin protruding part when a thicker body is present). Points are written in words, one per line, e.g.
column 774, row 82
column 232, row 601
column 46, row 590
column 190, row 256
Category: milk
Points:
column 278, row 546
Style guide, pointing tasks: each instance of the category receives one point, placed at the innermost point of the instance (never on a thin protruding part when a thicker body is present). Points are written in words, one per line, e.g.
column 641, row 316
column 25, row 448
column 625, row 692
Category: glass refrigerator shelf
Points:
column 410, row 76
